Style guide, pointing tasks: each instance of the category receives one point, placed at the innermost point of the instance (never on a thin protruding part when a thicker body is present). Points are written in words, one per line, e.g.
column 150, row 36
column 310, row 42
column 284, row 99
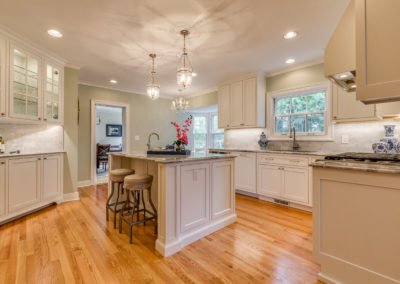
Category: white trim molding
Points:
column 328, row 135
column 70, row 197
column 83, row 183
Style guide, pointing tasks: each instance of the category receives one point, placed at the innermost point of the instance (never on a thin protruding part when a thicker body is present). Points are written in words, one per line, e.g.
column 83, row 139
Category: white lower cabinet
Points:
column 23, row 183
column 194, row 195
column 222, row 199
column 295, row 186
column 28, row 183
column 245, row 172
column 2, row 187
column 51, row 177
column 269, row 180
column 284, row 178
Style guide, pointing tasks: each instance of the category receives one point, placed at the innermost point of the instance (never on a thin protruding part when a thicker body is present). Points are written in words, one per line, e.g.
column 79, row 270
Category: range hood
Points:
column 340, row 52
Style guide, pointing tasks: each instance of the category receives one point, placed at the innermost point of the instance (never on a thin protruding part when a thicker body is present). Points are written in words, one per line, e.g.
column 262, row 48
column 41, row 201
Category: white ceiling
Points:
column 112, row 39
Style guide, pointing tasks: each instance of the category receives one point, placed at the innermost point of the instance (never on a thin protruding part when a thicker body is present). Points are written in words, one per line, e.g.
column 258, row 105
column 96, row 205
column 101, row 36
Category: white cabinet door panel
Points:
column 237, row 104
column 3, row 68
column 250, row 102
column 224, row 106
column 245, row 172
column 296, row 184
column 23, row 183
column 51, row 177
column 222, row 179
column 194, row 195
column 270, row 180
column 2, row 187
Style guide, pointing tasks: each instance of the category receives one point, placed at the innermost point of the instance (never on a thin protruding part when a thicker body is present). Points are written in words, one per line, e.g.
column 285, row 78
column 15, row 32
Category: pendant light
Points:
column 184, row 70
column 153, row 88
column 179, row 104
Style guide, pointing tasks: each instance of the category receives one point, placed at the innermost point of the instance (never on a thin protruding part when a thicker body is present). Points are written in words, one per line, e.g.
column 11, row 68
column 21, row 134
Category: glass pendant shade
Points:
column 153, row 89
column 184, row 71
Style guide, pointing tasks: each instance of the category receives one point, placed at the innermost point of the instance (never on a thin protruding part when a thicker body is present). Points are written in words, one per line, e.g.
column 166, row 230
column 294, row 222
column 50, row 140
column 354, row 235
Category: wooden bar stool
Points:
column 135, row 186
column 116, row 177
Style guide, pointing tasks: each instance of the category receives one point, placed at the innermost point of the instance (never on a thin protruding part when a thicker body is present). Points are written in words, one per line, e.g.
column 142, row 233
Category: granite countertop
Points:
column 378, row 167
column 7, row 155
column 309, row 153
column 173, row 158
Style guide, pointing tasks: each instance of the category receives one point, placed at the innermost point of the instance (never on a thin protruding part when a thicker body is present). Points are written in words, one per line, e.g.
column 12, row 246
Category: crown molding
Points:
column 73, row 66
column 90, row 84
column 308, row 63
column 19, row 39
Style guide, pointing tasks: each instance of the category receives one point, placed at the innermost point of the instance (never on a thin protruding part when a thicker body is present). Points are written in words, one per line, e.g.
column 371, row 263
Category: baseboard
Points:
column 84, row 183
column 70, row 197
column 101, row 180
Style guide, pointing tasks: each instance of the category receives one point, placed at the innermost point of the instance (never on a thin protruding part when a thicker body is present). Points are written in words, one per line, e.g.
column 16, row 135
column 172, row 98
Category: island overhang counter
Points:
column 194, row 195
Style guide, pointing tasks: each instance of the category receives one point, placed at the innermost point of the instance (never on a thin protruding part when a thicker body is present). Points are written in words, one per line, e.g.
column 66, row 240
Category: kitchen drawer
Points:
column 283, row 159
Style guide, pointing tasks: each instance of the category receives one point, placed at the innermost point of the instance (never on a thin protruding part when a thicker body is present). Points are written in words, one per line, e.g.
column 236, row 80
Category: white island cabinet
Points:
column 194, row 195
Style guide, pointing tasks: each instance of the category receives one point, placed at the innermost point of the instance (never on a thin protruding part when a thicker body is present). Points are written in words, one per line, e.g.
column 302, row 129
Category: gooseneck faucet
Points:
column 148, row 140
column 295, row 145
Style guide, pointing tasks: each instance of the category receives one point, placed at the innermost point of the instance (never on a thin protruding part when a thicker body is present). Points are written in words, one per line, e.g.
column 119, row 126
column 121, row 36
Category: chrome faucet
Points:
column 295, row 145
column 148, row 141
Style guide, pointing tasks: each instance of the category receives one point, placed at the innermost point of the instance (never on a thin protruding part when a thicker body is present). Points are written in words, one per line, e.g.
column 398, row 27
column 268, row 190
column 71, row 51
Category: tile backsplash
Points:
column 361, row 137
column 32, row 138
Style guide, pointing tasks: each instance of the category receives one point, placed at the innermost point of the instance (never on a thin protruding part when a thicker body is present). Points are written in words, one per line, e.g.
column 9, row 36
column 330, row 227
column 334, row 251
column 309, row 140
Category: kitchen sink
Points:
column 167, row 152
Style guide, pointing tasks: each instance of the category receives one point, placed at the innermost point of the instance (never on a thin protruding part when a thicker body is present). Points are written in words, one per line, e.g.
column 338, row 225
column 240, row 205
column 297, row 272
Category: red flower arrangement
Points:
column 181, row 133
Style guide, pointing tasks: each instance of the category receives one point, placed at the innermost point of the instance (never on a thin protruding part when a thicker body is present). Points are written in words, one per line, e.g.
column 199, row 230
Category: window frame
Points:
column 209, row 134
column 327, row 135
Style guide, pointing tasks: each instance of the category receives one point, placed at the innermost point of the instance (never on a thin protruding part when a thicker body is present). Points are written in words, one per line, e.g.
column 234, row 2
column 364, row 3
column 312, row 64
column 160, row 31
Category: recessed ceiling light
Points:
column 112, row 81
column 289, row 35
column 194, row 74
column 290, row 61
column 54, row 33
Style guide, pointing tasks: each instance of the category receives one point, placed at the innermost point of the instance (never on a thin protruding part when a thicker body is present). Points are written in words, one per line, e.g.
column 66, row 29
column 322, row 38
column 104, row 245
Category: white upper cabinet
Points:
column 3, row 79
column 54, row 94
column 237, row 104
column 377, row 50
column 31, row 83
column 25, row 84
column 241, row 102
column 224, row 105
column 345, row 107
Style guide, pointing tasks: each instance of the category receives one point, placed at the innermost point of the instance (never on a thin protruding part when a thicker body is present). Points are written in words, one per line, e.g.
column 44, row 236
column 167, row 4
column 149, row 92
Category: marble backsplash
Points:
column 32, row 138
column 361, row 137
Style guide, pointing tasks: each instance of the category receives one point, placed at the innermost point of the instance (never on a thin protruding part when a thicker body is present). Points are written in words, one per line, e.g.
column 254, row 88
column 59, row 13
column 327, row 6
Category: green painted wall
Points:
column 204, row 100
column 296, row 78
column 70, row 130
column 146, row 116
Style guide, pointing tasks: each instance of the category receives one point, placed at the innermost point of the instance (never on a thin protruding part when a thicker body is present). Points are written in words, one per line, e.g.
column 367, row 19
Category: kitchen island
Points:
column 356, row 224
column 194, row 194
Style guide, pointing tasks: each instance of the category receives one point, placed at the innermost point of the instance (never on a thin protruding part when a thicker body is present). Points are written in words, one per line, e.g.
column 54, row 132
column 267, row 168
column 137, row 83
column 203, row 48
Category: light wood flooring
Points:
column 72, row 243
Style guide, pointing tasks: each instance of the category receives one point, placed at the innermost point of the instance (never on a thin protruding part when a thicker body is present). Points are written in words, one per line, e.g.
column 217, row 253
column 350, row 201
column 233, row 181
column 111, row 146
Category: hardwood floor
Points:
column 72, row 243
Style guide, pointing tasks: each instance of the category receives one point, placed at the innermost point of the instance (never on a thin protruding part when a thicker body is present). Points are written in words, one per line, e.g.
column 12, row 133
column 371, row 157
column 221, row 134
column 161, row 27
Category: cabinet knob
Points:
column 335, row 117
column 45, row 119
column 3, row 114
column 242, row 124
column 2, row 163
column 39, row 118
column 39, row 159
column 44, row 158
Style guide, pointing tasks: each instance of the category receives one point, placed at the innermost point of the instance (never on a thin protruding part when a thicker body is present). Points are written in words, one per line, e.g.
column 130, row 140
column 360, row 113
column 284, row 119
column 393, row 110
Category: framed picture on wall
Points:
column 113, row 130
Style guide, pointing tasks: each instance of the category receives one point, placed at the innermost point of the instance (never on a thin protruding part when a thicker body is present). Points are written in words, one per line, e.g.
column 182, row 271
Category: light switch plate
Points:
column 137, row 138
column 345, row 139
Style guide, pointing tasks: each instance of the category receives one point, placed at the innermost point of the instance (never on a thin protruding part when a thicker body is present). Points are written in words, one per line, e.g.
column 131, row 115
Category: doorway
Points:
column 109, row 133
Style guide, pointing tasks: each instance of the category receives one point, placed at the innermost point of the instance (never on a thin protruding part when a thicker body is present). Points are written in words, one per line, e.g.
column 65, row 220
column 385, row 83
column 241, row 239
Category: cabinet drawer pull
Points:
column 295, row 161
column 39, row 159
column 2, row 163
column 242, row 124
column 44, row 158
column 281, row 169
column 269, row 159
column 3, row 114
column 45, row 119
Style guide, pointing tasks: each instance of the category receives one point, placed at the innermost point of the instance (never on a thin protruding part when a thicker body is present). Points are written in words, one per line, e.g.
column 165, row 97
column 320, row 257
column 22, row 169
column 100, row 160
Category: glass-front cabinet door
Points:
column 3, row 69
column 25, row 84
column 52, row 109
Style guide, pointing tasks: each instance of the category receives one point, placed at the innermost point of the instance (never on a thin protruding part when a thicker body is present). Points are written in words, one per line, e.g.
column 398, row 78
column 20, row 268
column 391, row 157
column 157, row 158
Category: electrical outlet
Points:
column 137, row 138
column 345, row 139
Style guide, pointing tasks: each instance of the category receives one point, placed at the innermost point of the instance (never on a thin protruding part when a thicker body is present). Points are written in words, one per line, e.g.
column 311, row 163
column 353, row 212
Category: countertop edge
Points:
column 29, row 154
column 274, row 151
column 376, row 168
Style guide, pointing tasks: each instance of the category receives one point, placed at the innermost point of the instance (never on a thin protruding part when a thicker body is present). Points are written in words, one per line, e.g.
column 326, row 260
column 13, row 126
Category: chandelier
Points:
column 153, row 88
column 184, row 70
column 180, row 104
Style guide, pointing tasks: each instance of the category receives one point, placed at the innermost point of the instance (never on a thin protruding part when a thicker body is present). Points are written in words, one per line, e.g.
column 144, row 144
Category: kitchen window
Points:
column 305, row 109
column 205, row 132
